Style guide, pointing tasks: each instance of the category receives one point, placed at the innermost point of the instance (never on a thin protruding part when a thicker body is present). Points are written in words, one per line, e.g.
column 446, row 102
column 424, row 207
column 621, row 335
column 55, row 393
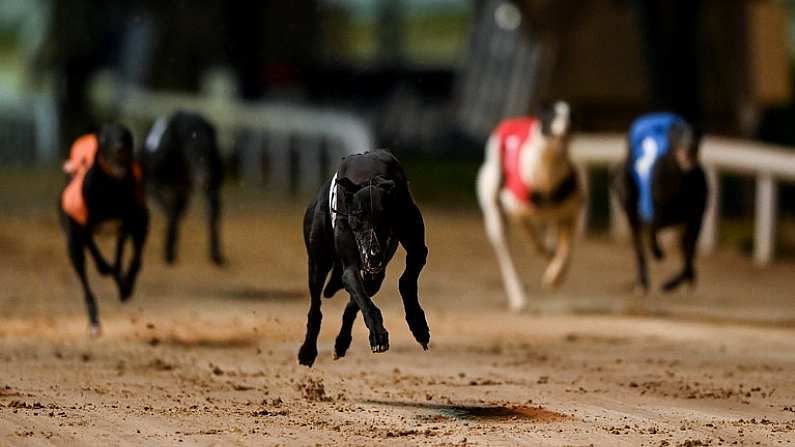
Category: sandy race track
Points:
column 207, row 357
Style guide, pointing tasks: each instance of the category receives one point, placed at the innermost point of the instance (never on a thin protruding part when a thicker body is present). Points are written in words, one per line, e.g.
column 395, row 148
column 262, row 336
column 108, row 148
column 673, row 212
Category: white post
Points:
column 309, row 177
column 765, row 219
column 710, row 227
column 279, row 162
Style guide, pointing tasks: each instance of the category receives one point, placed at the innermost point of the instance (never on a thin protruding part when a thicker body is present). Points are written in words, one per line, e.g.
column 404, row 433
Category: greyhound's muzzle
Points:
column 370, row 252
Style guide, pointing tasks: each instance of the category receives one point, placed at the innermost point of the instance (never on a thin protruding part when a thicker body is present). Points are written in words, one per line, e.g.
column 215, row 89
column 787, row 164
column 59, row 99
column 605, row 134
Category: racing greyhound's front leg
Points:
column 103, row 267
column 139, row 228
column 412, row 238
column 557, row 268
column 354, row 285
column 488, row 188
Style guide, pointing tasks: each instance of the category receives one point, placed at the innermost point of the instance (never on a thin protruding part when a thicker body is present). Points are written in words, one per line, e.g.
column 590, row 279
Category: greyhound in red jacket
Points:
column 528, row 177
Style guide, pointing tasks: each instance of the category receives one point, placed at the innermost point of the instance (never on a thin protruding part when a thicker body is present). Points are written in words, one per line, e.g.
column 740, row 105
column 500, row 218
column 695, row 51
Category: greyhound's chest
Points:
column 109, row 201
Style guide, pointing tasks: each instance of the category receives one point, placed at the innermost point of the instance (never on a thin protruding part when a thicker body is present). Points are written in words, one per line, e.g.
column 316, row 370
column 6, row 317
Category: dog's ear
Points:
column 348, row 185
column 384, row 183
column 555, row 118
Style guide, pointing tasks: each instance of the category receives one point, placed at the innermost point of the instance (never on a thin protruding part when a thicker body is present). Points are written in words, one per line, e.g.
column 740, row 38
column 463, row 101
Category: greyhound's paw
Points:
column 94, row 330
column 125, row 290
column 379, row 341
column 674, row 283
column 551, row 281
column 517, row 305
column 341, row 346
column 307, row 355
column 105, row 269
column 170, row 258
column 419, row 328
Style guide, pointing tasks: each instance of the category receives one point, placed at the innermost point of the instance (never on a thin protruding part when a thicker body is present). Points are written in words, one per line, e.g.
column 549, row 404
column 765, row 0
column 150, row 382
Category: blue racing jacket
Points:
column 648, row 141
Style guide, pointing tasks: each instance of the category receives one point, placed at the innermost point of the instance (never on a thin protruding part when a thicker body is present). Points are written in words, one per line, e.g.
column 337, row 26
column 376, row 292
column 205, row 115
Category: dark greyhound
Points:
column 105, row 185
column 181, row 151
column 352, row 228
column 661, row 184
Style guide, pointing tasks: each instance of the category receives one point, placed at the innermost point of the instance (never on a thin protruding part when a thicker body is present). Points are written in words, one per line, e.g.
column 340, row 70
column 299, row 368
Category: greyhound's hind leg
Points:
column 688, row 242
column 139, row 229
column 344, row 338
column 103, row 267
column 319, row 266
column 213, row 218
column 174, row 206
column 537, row 235
column 553, row 275
column 334, row 282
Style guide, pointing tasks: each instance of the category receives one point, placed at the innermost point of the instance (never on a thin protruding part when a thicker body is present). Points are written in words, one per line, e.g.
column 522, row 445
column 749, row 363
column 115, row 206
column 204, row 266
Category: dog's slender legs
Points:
column 319, row 267
column 139, row 228
column 488, row 186
column 118, row 260
column 495, row 230
column 76, row 241
column 642, row 284
column 175, row 211
column 626, row 190
column 379, row 338
column 412, row 237
column 688, row 242
column 335, row 281
column 537, row 237
column 344, row 338
column 103, row 267
column 654, row 241
column 557, row 268
column 213, row 215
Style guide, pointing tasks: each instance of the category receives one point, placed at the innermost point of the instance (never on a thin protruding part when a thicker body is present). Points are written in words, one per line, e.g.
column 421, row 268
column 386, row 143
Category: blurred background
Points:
column 294, row 85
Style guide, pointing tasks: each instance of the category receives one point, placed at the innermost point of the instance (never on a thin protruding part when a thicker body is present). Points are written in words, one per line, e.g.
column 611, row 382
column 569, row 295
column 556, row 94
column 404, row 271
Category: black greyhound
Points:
column 352, row 228
column 661, row 184
column 181, row 151
column 105, row 184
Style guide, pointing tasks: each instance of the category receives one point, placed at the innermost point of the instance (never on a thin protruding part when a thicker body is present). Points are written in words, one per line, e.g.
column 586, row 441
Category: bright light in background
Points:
column 508, row 16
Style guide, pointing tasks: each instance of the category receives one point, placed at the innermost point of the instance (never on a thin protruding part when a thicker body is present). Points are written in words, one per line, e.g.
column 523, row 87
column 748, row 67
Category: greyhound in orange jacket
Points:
column 105, row 185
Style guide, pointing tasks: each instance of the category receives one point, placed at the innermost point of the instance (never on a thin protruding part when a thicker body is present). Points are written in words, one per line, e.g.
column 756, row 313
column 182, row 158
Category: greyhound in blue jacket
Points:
column 661, row 184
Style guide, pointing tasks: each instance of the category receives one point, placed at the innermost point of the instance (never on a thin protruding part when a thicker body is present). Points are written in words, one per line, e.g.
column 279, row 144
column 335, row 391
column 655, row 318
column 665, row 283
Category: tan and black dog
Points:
column 528, row 178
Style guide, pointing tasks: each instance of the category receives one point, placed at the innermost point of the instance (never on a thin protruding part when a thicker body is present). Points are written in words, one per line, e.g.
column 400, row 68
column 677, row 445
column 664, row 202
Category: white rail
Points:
column 310, row 133
column 768, row 163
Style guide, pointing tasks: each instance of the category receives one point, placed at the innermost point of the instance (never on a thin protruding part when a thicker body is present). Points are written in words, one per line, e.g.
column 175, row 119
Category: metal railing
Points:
column 282, row 146
column 766, row 162
column 28, row 129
